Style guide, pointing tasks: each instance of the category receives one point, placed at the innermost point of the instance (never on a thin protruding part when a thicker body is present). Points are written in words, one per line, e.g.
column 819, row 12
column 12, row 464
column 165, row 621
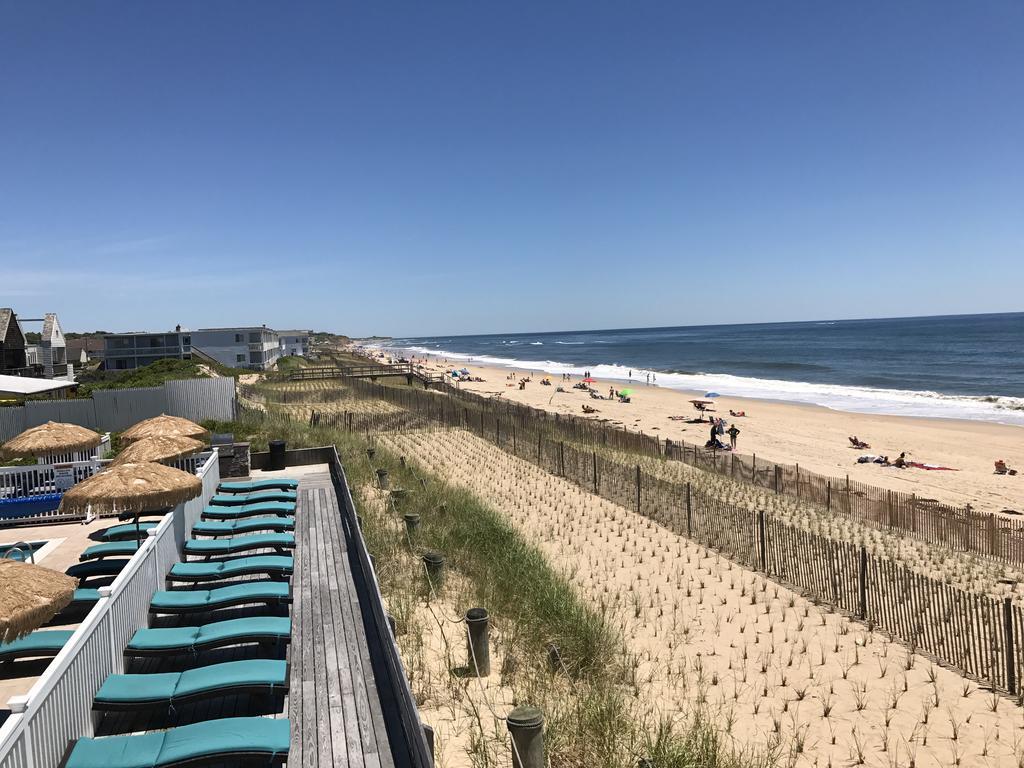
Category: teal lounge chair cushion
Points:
column 228, row 569
column 92, row 568
column 209, row 599
column 44, row 642
column 250, row 510
column 127, row 531
column 236, row 499
column 110, row 549
column 251, row 486
column 220, row 632
column 208, row 739
column 168, row 686
column 243, row 525
column 240, row 544
column 85, row 596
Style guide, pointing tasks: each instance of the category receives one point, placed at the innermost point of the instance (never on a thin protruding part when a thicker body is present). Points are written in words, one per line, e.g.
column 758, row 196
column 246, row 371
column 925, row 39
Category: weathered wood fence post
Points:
column 689, row 513
column 762, row 536
column 638, row 489
column 593, row 456
column 1010, row 650
column 862, row 585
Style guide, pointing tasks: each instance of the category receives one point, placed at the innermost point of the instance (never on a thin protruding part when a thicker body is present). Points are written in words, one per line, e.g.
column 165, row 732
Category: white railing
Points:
column 38, row 480
column 58, row 708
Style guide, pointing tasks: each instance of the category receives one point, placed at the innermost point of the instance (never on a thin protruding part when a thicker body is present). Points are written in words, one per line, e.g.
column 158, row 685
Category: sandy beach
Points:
column 816, row 438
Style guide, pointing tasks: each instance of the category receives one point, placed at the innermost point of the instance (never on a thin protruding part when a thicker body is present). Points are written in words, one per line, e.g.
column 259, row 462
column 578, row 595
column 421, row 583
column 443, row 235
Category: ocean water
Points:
column 962, row 366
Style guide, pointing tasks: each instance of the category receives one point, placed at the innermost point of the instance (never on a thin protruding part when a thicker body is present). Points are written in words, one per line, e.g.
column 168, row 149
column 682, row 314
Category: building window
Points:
column 254, row 338
column 239, row 358
column 186, row 340
column 238, row 338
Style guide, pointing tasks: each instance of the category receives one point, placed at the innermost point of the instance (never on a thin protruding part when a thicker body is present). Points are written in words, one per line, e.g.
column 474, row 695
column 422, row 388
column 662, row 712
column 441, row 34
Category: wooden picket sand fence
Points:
column 976, row 633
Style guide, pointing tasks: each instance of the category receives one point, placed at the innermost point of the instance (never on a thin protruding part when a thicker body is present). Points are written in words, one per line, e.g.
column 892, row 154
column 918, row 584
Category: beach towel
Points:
column 919, row 465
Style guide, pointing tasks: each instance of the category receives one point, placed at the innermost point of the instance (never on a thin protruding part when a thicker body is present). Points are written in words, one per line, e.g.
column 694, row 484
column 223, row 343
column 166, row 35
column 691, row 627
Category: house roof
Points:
column 26, row 385
column 52, row 334
column 6, row 315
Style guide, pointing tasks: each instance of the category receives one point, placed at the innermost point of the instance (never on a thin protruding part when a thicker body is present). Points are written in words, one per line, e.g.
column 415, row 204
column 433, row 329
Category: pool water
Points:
column 23, row 550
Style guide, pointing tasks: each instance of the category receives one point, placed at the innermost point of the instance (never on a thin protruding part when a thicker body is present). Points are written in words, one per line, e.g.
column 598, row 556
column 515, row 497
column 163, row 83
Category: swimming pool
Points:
column 22, row 551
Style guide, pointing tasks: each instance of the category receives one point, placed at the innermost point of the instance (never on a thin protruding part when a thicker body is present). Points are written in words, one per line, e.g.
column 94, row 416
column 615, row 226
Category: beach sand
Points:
column 816, row 438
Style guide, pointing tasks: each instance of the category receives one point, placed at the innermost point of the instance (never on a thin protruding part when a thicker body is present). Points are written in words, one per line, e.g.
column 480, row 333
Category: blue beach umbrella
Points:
column 711, row 394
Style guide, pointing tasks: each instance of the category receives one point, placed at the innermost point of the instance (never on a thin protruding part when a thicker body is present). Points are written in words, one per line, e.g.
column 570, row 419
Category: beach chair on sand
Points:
column 250, row 510
column 253, row 486
column 166, row 690
column 243, row 525
column 218, row 742
column 275, row 566
column 235, row 544
column 41, row 644
column 182, row 601
column 174, row 641
column 239, row 499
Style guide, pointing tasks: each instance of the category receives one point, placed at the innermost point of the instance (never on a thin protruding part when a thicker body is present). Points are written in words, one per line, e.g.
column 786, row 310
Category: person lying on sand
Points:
column 857, row 443
column 737, row 414
column 589, row 409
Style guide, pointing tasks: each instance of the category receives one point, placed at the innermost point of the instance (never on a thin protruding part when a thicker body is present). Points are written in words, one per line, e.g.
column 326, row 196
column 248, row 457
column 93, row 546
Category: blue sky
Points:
column 427, row 168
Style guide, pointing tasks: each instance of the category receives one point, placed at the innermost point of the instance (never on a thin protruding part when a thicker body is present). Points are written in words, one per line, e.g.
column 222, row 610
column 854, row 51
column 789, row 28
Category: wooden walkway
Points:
column 333, row 703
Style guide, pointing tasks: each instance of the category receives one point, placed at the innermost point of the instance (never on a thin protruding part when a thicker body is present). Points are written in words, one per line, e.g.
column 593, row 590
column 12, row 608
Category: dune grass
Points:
column 592, row 716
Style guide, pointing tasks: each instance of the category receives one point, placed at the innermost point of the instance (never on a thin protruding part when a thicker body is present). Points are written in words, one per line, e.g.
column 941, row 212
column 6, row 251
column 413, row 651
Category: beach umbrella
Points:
column 51, row 437
column 143, row 487
column 163, row 425
column 30, row 596
column 626, row 392
column 589, row 380
column 711, row 394
column 162, row 448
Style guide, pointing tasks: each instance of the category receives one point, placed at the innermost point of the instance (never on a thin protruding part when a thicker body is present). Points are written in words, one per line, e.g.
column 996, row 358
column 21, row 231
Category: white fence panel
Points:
column 58, row 708
column 12, row 422
column 201, row 399
column 118, row 409
column 79, row 412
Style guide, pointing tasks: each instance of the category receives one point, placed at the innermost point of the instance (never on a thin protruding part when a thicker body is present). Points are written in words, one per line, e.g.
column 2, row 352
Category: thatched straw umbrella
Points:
column 163, row 425
column 51, row 437
column 132, row 488
column 30, row 596
column 164, row 448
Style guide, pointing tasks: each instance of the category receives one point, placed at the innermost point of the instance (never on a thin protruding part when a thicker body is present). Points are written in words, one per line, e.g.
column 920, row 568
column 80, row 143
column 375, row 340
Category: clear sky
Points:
column 472, row 167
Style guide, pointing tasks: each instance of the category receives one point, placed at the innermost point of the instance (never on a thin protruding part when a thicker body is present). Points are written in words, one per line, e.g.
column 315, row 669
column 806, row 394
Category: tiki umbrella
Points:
column 163, row 425
column 51, row 437
column 132, row 488
column 164, row 448
column 30, row 596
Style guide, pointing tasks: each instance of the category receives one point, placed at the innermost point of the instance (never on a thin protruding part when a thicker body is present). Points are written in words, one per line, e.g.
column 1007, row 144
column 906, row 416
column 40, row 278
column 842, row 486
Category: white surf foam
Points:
column 895, row 402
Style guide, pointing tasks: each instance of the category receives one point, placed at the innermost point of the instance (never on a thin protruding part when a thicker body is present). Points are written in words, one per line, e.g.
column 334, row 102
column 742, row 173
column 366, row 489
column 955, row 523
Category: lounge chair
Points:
column 133, row 515
column 180, row 601
column 41, row 644
column 96, row 568
column 254, row 486
column 123, row 693
column 249, row 510
column 84, row 598
column 237, row 499
column 212, row 742
column 127, row 531
column 172, row 641
column 243, row 525
column 110, row 549
column 234, row 544
column 275, row 566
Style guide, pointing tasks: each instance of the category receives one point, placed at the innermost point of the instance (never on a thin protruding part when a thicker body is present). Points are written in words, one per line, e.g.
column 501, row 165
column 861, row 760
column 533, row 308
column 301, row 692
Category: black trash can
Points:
column 277, row 459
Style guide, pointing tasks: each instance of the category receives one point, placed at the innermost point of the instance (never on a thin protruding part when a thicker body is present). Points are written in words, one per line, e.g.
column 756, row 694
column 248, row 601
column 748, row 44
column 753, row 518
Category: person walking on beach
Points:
column 733, row 434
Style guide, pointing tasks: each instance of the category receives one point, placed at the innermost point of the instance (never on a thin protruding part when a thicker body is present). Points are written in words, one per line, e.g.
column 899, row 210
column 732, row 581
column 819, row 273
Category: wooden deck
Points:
column 334, row 706
column 333, row 703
